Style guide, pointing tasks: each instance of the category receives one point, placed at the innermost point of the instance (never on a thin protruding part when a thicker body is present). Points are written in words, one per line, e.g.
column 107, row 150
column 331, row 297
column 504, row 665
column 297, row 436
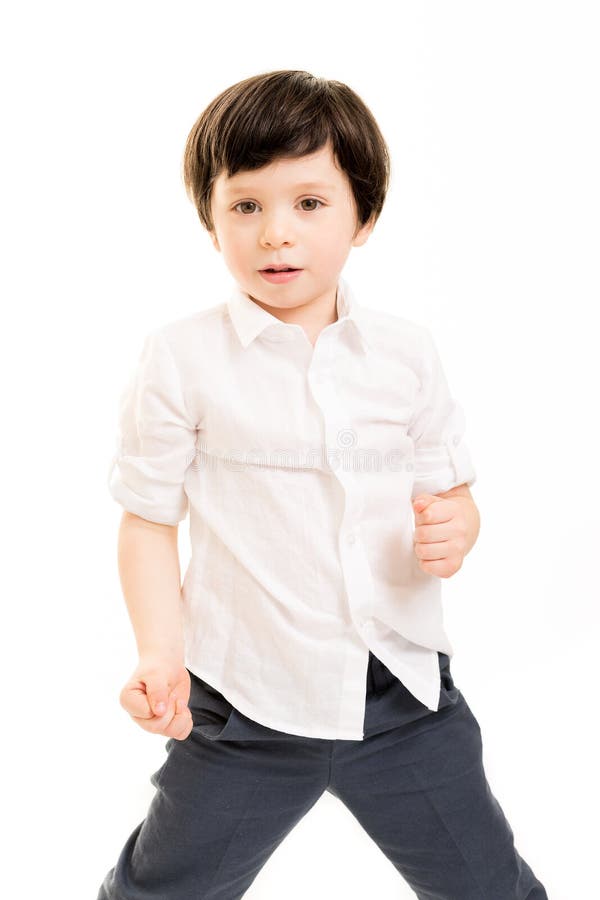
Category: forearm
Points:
column 150, row 576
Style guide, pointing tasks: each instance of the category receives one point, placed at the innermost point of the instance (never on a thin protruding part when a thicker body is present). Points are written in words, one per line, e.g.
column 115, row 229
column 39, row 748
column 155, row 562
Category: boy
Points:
column 305, row 650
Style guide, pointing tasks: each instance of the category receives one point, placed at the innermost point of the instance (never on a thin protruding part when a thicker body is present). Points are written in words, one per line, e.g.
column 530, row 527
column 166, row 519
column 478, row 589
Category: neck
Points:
column 313, row 315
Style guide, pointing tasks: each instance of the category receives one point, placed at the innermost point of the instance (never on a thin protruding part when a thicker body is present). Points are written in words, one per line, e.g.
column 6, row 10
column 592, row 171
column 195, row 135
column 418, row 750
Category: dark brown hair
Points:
column 287, row 113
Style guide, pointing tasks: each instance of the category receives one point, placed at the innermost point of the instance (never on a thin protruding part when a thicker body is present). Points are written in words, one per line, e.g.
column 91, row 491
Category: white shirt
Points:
column 297, row 464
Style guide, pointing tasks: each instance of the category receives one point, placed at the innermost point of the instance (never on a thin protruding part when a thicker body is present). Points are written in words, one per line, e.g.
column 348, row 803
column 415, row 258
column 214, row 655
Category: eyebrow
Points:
column 231, row 189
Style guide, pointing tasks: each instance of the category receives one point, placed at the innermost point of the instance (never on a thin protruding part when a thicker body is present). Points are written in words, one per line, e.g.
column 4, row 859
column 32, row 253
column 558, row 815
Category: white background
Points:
column 489, row 236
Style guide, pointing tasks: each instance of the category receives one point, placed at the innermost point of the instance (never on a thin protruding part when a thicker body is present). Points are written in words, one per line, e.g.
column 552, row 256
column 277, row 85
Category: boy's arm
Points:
column 151, row 581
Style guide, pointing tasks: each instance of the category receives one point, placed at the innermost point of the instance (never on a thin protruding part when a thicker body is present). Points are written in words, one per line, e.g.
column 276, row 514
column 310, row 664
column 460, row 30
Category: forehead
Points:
column 311, row 172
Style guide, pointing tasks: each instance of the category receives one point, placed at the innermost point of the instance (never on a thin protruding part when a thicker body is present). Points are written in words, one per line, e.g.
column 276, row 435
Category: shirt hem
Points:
column 257, row 716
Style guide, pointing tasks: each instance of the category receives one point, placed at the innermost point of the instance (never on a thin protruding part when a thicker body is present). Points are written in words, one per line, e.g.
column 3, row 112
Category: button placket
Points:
column 355, row 565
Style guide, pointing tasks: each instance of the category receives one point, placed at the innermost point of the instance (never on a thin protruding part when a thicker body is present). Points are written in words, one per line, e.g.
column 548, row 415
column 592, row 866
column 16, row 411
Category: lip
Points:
column 279, row 277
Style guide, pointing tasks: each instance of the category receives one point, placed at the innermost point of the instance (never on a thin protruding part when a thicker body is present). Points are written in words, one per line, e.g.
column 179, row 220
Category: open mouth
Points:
column 279, row 276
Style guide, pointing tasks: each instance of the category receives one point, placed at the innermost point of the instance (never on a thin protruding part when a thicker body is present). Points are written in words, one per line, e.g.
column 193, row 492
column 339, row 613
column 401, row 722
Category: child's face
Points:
column 269, row 215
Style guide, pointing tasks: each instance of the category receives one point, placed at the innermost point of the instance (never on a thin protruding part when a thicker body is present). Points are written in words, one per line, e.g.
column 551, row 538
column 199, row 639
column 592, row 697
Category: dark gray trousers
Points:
column 228, row 795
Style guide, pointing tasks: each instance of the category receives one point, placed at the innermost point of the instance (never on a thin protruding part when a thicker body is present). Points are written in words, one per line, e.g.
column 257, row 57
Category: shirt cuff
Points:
column 441, row 467
column 169, row 509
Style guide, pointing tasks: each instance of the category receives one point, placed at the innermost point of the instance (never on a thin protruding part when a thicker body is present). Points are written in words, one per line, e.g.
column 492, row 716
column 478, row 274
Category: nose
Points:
column 276, row 230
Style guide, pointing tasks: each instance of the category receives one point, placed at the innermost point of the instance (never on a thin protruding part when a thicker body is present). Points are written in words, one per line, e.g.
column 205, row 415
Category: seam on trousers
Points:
column 249, row 806
column 330, row 765
column 426, row 794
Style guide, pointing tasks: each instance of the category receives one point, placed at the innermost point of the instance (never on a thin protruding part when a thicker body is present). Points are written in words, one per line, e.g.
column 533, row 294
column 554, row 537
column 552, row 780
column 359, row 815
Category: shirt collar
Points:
column 249, row 319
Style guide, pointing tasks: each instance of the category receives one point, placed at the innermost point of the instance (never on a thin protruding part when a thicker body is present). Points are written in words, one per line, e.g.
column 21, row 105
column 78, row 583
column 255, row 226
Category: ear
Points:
column 363, row 233
column 213, row 237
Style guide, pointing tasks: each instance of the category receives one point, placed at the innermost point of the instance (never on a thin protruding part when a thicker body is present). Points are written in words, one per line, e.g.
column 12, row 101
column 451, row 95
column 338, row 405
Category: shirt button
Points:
column 351, row 538
column 456, row 440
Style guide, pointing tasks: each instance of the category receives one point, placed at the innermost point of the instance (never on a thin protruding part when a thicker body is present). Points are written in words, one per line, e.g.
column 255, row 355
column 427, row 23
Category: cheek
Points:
column 329, row 245
column 235, row 247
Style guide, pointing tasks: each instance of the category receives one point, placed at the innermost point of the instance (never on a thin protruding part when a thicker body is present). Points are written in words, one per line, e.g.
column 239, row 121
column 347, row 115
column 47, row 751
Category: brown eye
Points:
column 245, row 203
column 311, row 200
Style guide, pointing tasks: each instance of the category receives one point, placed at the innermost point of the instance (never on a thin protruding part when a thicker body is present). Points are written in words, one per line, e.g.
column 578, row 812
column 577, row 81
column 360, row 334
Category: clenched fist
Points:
column 156, row 697
column 445, row 530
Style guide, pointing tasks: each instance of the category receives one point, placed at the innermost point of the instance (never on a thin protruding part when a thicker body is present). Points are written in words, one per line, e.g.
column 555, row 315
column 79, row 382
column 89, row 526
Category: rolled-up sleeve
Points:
column 156, row 438
column 442, row 458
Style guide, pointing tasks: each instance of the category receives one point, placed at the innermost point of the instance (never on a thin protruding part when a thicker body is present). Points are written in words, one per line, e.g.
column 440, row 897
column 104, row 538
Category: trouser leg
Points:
column 220, row 810
column 421, row 793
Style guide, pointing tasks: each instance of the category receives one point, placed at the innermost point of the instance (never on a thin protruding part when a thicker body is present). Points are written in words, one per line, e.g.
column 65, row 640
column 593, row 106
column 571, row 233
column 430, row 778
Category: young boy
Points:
column 322, row 458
